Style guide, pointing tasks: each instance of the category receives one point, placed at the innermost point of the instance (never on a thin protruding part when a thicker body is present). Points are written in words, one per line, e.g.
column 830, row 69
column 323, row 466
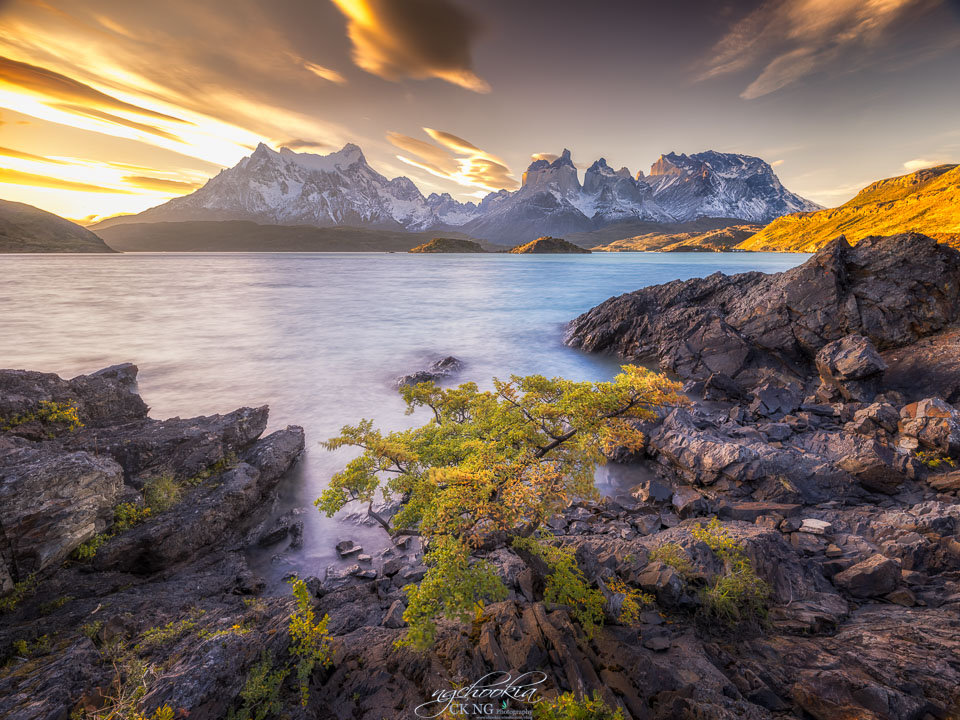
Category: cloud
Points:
column 15, row 177
column 9, row 152
column 325, row 73
column 921, row 164
column 413, row 39
column 116, row 120
column 796, row 38
column 549, row 157
column 160, row 184
column 301, row 144
column 452, row 158
column 50, row 84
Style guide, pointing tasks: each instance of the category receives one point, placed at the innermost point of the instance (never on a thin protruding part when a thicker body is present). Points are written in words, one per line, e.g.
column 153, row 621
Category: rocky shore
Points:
column 823, row 434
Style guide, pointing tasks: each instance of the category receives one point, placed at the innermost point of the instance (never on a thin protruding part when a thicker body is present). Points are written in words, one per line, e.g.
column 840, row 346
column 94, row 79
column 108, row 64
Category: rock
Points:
column 814, row 526
column 282, row 527
column 657, row 641
column 775, row 432
column 751, row 511
column 106, row 397
column 439, row 370
column 850, row 367
column 875, row 576
column 774, row 401
column 394, row 615
column 722, row 387
column 902, row 597
column 931, row 362
column 934, row 423
column 184, row 449
column 50, row 503
column 210, row 514
column 882, row 415
column 652, row 491
column 891, row 290
column 945, row 482
column 688, row 502
column 345, row 548
column 664, row 582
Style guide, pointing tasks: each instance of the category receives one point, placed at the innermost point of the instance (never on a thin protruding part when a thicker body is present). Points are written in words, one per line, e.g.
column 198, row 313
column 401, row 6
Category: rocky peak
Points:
column 558, row 176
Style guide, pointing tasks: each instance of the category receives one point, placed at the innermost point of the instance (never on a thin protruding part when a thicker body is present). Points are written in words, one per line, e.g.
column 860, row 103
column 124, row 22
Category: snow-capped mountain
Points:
column 289, row 188
column 714, row 184
column 341, row 188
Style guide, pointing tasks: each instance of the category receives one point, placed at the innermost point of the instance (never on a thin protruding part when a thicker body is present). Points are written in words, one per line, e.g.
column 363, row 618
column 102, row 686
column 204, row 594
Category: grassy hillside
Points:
column 926, row 201
column 26, row 229
column 719, row 240
column 448, row 245
column 246, row 236
column 547, row 245
column 635, row 228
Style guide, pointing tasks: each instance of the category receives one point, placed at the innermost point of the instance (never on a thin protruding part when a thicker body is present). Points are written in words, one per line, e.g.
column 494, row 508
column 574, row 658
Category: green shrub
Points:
column 673, row 555
column 60, row 415
column 22, row 589
column 566, row 584
column 935, row 460
column 162, row 493
column 309, row 639
column 261, row 692
column 737, row 595
column 634, row 601
column 569, row 707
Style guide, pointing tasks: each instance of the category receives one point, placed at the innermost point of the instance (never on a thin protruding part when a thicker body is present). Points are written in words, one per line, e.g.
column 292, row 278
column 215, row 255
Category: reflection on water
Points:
column 318, row 337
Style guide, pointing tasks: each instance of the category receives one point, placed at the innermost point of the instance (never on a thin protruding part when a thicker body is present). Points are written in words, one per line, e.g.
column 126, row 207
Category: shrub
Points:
column 60, row 415
column 20, row 590
column 309, row 639
column 935, row 460
column 634, row 601
column 569, row 707
column 261, row 692
column 737, row 595
column 162, row 493
column 566, row 584
column 673, row 555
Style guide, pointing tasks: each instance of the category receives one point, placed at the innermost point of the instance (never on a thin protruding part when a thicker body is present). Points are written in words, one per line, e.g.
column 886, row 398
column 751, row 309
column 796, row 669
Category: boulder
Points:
column 934, row 424
column 439, row 370
column 873, row 577
column 850, row 367
column 50, row 503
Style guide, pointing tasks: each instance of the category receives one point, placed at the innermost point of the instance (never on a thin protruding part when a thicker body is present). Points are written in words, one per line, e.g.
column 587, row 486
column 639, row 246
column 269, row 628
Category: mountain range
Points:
column 289, row 188
column 926, row 201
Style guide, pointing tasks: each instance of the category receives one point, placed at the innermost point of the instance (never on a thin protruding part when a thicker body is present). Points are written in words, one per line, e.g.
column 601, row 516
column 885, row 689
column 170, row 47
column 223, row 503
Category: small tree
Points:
column 489, row 466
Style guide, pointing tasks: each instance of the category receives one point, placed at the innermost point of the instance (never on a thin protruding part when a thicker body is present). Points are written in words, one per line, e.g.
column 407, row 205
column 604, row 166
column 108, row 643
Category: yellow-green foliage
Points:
column 935, row 460
column 569, row 707
column 168, row 634
column 261, row 692
column 673, row 554
column 453, row 587
column 566, row 585
column 61, row 415
column 633, row 602
column 500, row 461
column 162, row 493
column 738, row 594
column 54, row 605
column 20, row 590
column 309, row 639
column 125, row 517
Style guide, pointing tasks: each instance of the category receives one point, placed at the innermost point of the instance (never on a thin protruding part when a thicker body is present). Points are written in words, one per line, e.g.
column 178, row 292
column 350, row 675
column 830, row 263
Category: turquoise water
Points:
column 318, row 337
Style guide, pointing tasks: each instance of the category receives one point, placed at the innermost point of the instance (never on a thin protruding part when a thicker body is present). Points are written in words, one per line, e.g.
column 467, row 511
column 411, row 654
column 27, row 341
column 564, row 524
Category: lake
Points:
column 319, row 337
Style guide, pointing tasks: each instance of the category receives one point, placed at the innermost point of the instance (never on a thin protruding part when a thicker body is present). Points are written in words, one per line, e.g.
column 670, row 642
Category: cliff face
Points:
column 927, row 201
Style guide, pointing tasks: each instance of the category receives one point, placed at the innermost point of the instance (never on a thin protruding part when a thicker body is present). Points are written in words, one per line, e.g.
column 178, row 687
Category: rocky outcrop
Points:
column 892, row 291
column 438, row 370
column 549, row 246
column 448, row 245
column 849, row 368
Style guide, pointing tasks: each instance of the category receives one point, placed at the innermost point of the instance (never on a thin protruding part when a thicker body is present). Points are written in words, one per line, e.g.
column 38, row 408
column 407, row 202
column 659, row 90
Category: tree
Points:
column 488, row 467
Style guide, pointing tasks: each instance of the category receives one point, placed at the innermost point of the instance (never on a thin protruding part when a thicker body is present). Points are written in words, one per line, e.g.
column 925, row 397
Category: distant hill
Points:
column 26, row 229
column 926, row 201
column 634, row 228
column 448, row 245
column 549, row 245
column 247, row 236
column 721, row 240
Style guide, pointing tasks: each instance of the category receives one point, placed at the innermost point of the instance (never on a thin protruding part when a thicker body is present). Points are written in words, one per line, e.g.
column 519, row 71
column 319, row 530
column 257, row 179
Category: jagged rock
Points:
column 814, row 526
column 875, row 576
column 106, row 397
column 50, row 503
column 945, row 482
column 892, row 290
column 774, row 401
column 652, row 491
column 394, row 615
column 664, row 582
column 438, row 370
column 208, row 513
column 934, row 424
column 850, row 367
column 881, row 416
column 688, row 502
column 345, row 548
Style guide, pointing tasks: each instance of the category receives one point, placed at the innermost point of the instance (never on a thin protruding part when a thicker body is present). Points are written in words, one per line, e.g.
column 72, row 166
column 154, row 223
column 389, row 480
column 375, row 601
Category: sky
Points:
column 111, row 106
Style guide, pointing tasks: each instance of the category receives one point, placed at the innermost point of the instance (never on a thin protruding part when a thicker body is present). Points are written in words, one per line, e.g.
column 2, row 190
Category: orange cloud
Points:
column 116, row 120
column 326, row 73
column 15, row 177
column 417, row 39
column 9, row 152
column 473, row 168
column 49, row 84
column 160, row 184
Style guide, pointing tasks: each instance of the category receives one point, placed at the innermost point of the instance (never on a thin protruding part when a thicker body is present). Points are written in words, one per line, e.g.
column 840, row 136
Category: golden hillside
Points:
column 926, row 201
column 711, row 240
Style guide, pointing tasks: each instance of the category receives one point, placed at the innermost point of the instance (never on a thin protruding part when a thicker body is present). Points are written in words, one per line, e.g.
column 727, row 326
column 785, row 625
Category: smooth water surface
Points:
column 319, row 337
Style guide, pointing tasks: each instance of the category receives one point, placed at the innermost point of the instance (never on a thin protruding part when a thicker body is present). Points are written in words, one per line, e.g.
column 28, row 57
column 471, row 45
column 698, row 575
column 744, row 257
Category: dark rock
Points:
column 722, row 387
column 688, row 502
column 934, row 423
column 850, row 367
column 438, row 370
column 664, row 582
column 345, row 548
column 652, row 491
column 774, row 401
column 394, row 615
column 875, row 576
